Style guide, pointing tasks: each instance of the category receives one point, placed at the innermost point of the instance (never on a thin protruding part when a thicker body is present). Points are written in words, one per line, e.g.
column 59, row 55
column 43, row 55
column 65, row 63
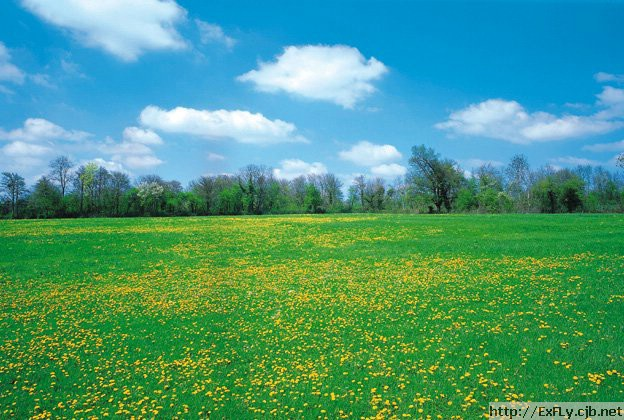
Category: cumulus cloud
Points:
column 9, row 72
column 389, row 170
column 603, row 77
column 123, row 28
column 33, row 144
column 39, row 129
column 292, row 168
column 107, row 164
column 134, row 151
column 338, row 74
column 240, row 126
column 141, row 136
column 366, row 153
column 508, row 120
column 23, row 149
column 617, row 146
column 212, row 33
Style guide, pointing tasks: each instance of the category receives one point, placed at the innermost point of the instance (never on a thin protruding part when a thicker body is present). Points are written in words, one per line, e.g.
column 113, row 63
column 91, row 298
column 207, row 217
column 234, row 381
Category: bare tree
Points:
column 331, row 190
column 518, row 176
column 13, row 185
column 61, row 172
column 359, row 182
column 120, row 183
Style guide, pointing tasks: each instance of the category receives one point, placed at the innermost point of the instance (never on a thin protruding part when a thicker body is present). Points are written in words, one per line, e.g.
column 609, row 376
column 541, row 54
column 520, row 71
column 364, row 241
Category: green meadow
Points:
column 328, row 316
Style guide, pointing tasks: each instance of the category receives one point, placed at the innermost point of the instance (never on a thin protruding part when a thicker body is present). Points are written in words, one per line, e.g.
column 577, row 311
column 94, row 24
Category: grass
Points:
column 309, row 316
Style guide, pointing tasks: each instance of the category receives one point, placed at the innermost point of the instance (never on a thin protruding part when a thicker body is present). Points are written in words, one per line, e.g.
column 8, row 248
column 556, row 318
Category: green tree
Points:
column 436, row 176
column 313, row 200
column 45, row 199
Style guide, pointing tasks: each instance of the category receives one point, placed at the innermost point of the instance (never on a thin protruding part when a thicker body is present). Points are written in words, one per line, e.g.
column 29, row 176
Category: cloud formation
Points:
column 135, row 150
column 389, row 170
column 39, row 129
column 9, row 72
column 240, row 126
column 366, row 153
column 339, row 74
column 142, row 136
column 123, row 28
column 212, row 33
column 602, row 77
column 292, row 168
column 617, row 146
column 37, row 141
column 508, row 120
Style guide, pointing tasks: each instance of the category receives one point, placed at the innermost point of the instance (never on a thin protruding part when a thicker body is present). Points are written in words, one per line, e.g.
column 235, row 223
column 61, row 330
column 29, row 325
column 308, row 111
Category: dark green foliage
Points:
column 434, row 185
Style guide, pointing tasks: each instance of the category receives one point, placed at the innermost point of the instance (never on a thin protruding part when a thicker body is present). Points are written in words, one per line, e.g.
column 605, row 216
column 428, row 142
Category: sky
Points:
column 190, row 88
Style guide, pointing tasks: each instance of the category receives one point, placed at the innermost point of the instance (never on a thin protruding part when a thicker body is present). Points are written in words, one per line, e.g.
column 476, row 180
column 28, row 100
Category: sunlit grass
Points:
column 308, row 316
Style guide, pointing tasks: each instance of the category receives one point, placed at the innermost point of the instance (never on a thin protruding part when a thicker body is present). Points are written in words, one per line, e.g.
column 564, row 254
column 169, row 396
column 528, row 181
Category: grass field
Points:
column 309, row 316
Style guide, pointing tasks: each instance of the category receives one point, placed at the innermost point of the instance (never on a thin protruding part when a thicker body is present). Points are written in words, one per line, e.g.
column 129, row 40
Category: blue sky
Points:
column 189, row 88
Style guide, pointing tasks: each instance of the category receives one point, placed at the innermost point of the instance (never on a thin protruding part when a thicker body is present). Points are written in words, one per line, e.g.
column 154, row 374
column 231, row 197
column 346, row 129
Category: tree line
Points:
column 433, row 185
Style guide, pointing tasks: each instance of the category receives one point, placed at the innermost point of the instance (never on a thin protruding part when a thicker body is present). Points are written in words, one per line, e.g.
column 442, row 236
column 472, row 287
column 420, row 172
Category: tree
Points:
column 45, row 199
column 620, row 161
column 436, row 176
column 254, row 181
column 13, row 185
column 205, row 187
column 150, row 194
column 313, row 199
column 360, row 188
column 85, row 175
column 60, row 172
column 119, row 184
column 571, row 192
column 374, row 195
column 331, row 191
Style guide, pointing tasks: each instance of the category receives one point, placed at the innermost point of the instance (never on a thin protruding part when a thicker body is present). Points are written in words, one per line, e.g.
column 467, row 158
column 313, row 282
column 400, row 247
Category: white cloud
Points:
column 575, row 161
column 602, row 77
column 142, row 161
column 30, row 147
column 617, row 146
column 391, row 170
column 22, row 156
column 509, row 121
column 142, row 136
column 39, row 129
column 134, row 151
column 366, row 153
column 123, row 28
column 338, row 74
column 23, row 149
column 108, row 165
column 292, row 168
column 215, row 157
column 9, row 72
column 211, row 33
column 240, row 126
